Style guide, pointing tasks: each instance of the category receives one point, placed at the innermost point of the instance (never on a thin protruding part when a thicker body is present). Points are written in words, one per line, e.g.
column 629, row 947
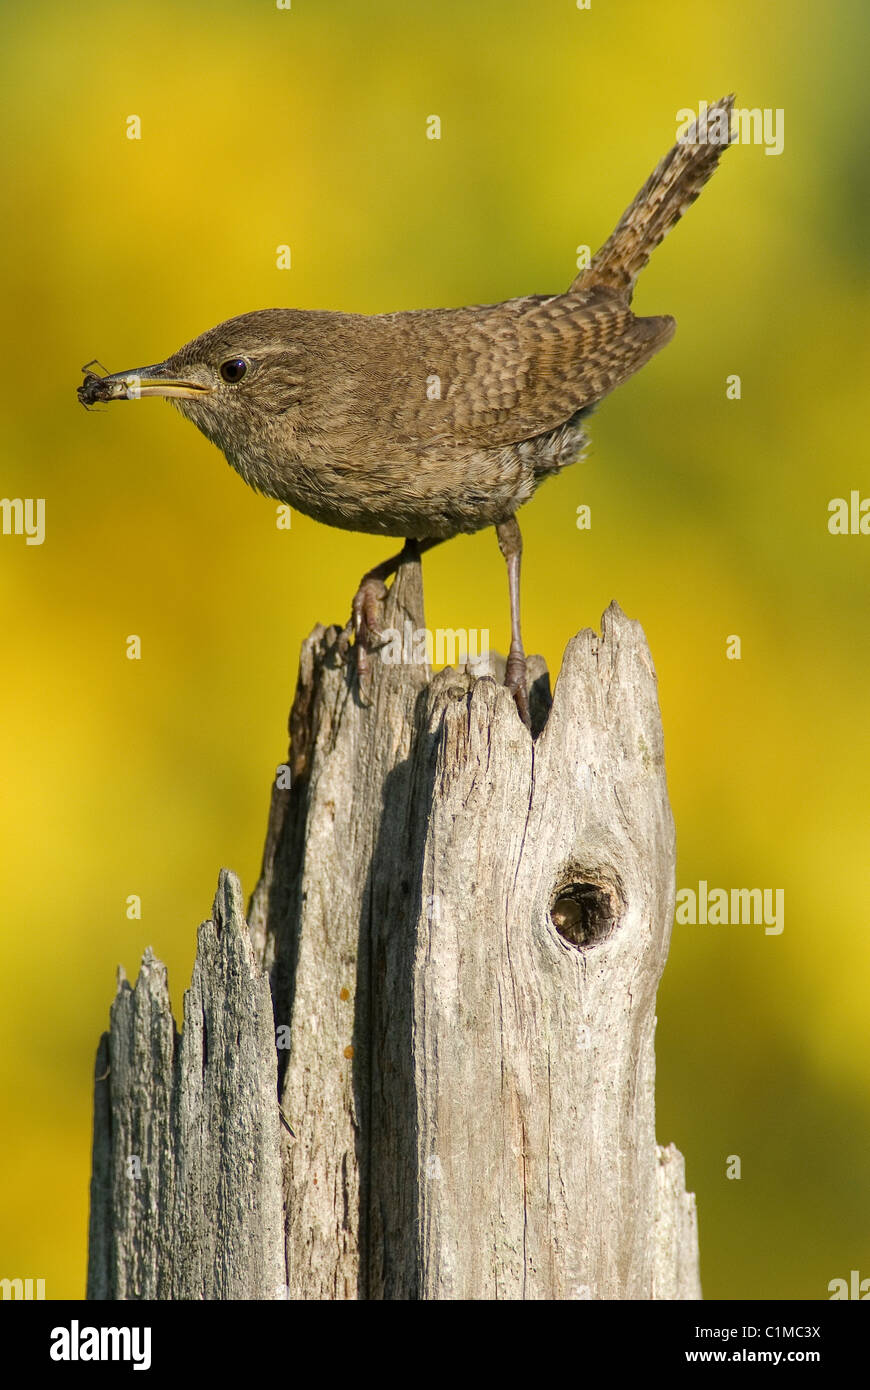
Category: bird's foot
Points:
column 364, row 627
column 516, row 680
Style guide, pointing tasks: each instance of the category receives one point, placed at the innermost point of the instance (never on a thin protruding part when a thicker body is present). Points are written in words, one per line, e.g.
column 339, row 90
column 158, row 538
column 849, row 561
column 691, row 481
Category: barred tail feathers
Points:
column 667, row 193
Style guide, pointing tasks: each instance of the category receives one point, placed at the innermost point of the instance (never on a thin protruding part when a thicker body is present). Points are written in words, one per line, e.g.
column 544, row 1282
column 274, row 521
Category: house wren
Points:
column 428, row 423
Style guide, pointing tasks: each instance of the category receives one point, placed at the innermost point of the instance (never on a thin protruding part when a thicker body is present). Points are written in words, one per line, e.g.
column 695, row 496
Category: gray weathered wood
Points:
column 186, row 1192
column 463, row 930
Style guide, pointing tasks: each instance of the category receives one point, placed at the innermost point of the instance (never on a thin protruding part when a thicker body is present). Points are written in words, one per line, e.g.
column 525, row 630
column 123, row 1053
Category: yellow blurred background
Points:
column 307, row 126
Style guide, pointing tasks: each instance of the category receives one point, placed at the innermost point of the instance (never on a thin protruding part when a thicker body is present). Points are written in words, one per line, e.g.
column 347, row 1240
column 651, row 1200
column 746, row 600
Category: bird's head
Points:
column 237, row 382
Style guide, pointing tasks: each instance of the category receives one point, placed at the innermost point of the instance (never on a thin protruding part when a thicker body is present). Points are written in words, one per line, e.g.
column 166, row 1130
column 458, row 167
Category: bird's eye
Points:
column 233, row 370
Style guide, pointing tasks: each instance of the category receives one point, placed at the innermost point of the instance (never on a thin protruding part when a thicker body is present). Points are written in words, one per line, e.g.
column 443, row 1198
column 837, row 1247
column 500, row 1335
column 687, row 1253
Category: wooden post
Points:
column 463, row 930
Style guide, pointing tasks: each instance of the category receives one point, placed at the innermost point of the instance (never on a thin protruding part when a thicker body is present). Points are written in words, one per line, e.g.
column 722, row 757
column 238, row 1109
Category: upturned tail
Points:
column 668, row 191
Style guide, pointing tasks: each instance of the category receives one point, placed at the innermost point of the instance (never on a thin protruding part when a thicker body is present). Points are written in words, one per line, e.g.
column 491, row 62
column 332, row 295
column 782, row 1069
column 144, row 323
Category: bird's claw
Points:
column 364, row 626
column 516, row 680
column 365, row 611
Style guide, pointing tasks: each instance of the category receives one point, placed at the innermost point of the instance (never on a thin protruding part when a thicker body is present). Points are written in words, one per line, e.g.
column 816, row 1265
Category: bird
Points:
column 425, row 424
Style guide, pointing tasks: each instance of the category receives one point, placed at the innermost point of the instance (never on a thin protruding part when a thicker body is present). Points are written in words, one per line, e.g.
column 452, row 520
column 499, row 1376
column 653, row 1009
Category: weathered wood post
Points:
column 463, row 930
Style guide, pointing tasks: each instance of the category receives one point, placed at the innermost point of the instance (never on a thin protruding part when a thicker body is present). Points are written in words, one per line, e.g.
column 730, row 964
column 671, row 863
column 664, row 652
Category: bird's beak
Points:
column 159, row 380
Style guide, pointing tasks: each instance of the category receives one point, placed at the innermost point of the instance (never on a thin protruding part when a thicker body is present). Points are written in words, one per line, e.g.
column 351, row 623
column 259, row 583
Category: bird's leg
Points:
column 372, row 591
column 510, row 543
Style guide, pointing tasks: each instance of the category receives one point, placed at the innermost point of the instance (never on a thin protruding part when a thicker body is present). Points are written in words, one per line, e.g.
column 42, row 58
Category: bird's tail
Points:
column 668, row 191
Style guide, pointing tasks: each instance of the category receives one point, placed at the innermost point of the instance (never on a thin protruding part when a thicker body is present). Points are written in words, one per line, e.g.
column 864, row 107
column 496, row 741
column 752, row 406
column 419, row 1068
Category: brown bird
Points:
column 428, row 423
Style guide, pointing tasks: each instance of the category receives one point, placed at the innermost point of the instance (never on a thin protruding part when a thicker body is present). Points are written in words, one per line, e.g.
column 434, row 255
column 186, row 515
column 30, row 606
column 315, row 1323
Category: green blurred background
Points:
column 307, row 127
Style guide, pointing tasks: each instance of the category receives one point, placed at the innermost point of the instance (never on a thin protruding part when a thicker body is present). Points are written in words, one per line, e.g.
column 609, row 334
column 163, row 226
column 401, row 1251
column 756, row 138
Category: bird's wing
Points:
column 501, row 374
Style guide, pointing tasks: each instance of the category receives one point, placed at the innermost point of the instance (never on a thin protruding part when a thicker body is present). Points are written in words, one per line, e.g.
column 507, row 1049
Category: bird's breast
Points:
column 417, row 494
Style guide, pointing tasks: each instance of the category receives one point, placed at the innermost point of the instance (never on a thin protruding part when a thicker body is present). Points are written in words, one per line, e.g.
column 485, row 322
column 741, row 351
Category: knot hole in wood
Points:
column 585, row 912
